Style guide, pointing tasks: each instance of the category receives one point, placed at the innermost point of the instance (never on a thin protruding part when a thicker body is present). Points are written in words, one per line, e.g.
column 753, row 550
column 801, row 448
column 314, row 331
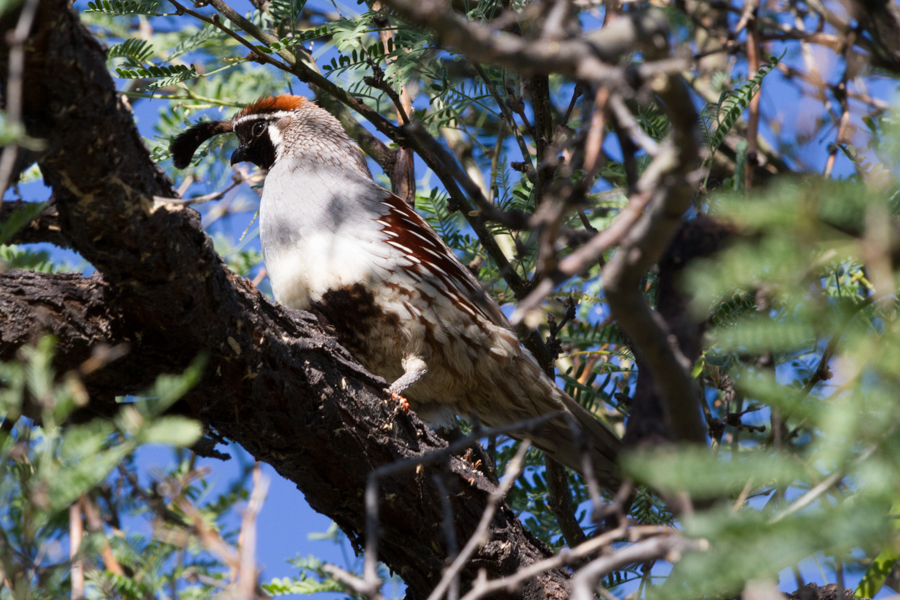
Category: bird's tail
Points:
column 567, row 438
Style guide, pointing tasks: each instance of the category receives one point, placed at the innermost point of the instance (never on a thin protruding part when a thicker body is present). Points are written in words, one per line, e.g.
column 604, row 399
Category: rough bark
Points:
column 274, row 382
column 698, row 238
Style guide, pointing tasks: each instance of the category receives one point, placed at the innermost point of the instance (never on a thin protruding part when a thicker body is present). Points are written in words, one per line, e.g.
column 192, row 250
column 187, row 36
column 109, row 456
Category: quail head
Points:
column 397, row 297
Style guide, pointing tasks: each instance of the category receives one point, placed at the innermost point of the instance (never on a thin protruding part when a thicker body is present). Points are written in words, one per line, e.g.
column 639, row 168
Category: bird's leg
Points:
column 414, row 369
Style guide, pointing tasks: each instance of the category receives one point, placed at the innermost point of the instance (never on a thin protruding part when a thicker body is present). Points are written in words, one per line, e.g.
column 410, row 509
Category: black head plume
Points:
column 185, row 144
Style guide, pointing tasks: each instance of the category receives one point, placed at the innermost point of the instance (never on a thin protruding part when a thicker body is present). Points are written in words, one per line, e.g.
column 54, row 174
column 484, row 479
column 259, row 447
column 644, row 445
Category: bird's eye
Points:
column 259, row 127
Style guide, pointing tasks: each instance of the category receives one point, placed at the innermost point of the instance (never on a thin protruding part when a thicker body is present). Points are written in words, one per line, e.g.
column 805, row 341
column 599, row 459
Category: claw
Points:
column 404, row 403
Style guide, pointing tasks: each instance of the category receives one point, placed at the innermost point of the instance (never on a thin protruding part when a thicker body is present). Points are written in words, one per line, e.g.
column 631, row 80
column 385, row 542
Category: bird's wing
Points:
column 433, row 260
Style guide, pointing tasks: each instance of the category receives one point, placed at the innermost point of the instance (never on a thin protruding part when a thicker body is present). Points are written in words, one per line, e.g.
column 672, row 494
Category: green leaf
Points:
column 718, row 119
column 169, row 388
column 68, row 484
column 19, row 219
column 156, row 71
column 877, row 573
column 135, row 51
column 125, row 7
column 177, row 431
column 706, row 475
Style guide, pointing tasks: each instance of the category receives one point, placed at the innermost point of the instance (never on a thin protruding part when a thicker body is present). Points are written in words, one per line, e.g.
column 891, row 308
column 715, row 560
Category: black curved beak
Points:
column 239, row 155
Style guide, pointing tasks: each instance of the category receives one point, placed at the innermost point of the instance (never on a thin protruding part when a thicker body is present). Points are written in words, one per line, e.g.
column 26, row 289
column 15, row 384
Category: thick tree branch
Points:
column 83, row 314
column 274, row 382
column 578, row 59
column 700, row 237
column 668, row 179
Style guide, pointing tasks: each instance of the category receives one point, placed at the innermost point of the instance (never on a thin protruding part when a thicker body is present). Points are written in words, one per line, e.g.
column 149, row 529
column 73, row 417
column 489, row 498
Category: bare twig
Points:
column 236, row 180
column 844, row 128
column 559, row 500
column 371, row 583
column 565, row 557
column 510, row 121
column 596, row 133
column 449, row 533
column 821, row 371
column 353, row 582
column 670, row 179
column 16, row 41
column 216, row 22
column 753, row 50
column 76, row 530
column 246, row 582
column 513, row 219
column 557, row 20
column 378, row 81
column 209, row 537
column 668, row 547
column 576, row 94
column 584, row 256
column 95, row 524
column 403, row 101
column 513, row 470
column 627, row 121
column 579, row 59
column 819, row 489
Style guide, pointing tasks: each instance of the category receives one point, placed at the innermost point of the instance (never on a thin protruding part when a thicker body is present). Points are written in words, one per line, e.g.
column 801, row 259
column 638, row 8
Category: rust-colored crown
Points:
column 184, row 145
column 283, row 102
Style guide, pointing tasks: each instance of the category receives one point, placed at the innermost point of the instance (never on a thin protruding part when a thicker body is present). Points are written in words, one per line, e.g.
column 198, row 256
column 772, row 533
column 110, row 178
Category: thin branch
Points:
column 95, row 524
column 216, row 22
column 585, row 256
column 370, row 576
column 378, row 81
column 565, row 557
column 596, row 133
column 236, row 180
column 674, row 171
column 559, row 500
column 580, row 59
column 353, row 582
column 668, row 547
column 826, row 484
column 627, row 122
column 514, row 219
column 513, row 470
column 449, row 533
column 822, row 368
column 844, row 128
column 557, row 20
column 753, row 62
column 76, row 531
column 13, row 93
column 247, row 576
column 510, row 121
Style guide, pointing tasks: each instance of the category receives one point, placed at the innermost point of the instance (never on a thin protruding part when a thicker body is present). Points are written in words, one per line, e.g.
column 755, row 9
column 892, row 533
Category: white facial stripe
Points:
column 273, row 116
column 275, row 138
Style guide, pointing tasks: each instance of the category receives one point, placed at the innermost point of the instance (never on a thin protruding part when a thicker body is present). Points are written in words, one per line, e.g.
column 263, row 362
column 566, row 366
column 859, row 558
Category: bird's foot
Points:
column 404, row 403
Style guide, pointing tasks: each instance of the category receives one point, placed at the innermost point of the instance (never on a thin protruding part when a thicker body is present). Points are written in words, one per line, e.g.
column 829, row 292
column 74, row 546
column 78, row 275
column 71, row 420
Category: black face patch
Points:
column 255, row 143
